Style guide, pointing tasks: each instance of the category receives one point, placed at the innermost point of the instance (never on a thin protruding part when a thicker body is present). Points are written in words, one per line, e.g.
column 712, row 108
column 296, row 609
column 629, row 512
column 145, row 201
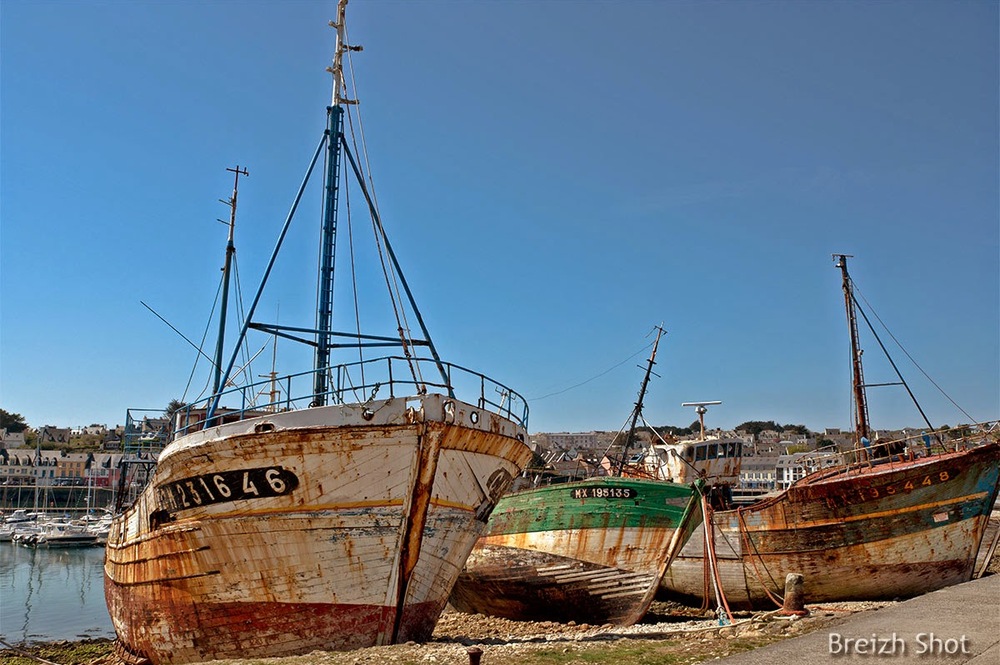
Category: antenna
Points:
column 701, row 408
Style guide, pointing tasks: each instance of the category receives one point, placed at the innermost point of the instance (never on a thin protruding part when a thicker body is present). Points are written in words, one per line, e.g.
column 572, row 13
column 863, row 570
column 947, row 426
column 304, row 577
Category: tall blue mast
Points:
column 323, row 337
column 328, row 242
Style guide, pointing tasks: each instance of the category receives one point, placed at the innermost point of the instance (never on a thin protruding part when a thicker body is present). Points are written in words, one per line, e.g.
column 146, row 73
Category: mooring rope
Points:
column 745, row 538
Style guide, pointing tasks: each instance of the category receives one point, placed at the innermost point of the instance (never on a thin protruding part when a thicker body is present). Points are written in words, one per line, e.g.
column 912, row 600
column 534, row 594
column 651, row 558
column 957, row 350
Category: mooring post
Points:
column 795, row 602
column 475, row 654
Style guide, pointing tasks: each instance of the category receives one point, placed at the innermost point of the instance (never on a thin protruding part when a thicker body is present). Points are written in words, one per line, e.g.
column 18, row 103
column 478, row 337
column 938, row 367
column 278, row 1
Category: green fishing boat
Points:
column 591, row 551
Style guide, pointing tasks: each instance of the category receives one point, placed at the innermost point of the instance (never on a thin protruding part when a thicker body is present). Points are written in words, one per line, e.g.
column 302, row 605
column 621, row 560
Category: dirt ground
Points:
column 670, row 634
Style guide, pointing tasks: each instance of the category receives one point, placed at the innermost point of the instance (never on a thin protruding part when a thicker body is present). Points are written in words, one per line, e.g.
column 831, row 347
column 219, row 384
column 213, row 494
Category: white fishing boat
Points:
column 338, row 512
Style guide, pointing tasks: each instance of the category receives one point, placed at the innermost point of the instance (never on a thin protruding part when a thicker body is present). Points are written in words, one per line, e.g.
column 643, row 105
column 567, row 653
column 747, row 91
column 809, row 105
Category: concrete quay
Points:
column 951, row 626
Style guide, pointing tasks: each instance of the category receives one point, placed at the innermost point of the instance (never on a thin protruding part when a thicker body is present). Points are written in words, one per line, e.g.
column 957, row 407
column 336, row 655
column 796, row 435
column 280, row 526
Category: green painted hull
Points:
column 591, row 551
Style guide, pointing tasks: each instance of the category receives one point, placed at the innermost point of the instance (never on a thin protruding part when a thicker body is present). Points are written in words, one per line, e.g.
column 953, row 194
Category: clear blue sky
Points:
column 556, row 177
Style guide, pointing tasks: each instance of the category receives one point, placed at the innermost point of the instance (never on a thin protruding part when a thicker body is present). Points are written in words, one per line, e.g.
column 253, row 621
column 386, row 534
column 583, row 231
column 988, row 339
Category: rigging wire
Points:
column 403, row 326
column 907, row 354
column 354, row 279
column 607, row 451
column 241, row 313
column 201, row 346
column 354, row 286
column 597, row 376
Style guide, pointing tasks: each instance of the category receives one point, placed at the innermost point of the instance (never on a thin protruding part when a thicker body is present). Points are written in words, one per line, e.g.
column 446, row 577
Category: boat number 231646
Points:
column 227, row 486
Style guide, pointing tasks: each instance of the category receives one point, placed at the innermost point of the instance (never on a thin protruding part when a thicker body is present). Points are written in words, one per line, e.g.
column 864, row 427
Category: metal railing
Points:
column 908, row 448
column 359, row 382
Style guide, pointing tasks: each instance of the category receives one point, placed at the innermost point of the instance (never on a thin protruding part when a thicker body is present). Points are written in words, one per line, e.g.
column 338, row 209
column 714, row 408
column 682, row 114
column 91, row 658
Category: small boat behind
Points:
column 591, row 551
column 60, row 535
column 20, row 516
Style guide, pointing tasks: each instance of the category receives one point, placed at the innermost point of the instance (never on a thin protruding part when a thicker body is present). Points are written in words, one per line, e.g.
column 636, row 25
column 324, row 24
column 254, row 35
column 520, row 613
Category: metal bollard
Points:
column 795, row 603
column 475, row 653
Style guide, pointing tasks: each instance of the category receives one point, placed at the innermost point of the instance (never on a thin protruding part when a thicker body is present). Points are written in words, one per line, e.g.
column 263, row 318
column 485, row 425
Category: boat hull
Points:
column 590, row 551
column 895, row 530
column 332, row 528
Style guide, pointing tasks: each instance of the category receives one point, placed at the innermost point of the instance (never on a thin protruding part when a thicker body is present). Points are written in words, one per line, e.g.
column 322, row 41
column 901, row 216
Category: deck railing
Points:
column 360, row 383
column 896, row 451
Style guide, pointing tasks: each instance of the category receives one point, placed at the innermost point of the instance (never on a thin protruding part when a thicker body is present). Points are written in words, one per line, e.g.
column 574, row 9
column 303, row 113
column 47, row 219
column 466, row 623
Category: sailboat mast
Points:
column 638, row 404
column 328, row 242
column 230, row 251
column 860, row 398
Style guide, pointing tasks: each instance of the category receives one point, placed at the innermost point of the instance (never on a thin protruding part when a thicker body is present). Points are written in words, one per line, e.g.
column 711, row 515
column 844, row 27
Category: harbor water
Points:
column 48, row 595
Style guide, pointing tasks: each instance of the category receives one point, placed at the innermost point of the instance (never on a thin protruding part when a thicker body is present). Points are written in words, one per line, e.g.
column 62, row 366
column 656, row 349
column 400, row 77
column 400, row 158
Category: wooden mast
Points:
column 861, row 429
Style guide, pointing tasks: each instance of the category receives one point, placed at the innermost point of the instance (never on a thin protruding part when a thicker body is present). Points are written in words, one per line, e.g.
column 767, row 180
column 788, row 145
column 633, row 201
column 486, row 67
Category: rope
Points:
column 613, row 367
column 746, row 584
column 706, row 584
column 395, row 297
column 722, row 604
column 745, row 538
column 241, row 313
column 354, row 278
column 907, row 354
column 204, row 336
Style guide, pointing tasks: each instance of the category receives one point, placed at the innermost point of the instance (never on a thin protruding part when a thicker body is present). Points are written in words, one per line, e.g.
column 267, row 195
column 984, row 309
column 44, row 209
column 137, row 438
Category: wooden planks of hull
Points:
column 590, row 551
column 285, row 536
column 897, row 529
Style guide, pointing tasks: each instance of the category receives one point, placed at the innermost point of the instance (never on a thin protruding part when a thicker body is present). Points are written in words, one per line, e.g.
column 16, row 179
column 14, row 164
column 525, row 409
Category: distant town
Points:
column 774, row 456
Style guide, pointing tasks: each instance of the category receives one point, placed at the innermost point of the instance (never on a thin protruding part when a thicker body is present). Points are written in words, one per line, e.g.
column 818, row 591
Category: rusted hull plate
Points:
column 283, row 536
column 896, row 531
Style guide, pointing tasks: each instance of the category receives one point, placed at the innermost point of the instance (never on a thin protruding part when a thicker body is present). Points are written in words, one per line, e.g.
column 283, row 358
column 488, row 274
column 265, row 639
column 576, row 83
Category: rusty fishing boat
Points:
column 590, row 551
column 331, row 509
column 890, row 519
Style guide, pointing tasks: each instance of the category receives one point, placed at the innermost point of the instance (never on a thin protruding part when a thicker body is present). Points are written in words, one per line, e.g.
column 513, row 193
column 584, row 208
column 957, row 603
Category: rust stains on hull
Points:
column 590, row 551
column 277, row 629
column 304, row 536
column 892, row 530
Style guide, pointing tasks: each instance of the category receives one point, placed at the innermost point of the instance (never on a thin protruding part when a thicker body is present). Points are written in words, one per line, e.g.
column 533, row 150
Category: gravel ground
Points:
column 670, row 631
column 680, row 630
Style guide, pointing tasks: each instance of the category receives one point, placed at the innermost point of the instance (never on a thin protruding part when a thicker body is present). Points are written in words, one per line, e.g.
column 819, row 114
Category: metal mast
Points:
column 638, row 404
column 860, row 398
column 230, row 251
column 328, row 242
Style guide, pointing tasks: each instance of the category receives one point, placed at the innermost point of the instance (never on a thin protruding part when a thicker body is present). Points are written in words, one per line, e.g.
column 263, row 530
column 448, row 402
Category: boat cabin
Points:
column 717, row 461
